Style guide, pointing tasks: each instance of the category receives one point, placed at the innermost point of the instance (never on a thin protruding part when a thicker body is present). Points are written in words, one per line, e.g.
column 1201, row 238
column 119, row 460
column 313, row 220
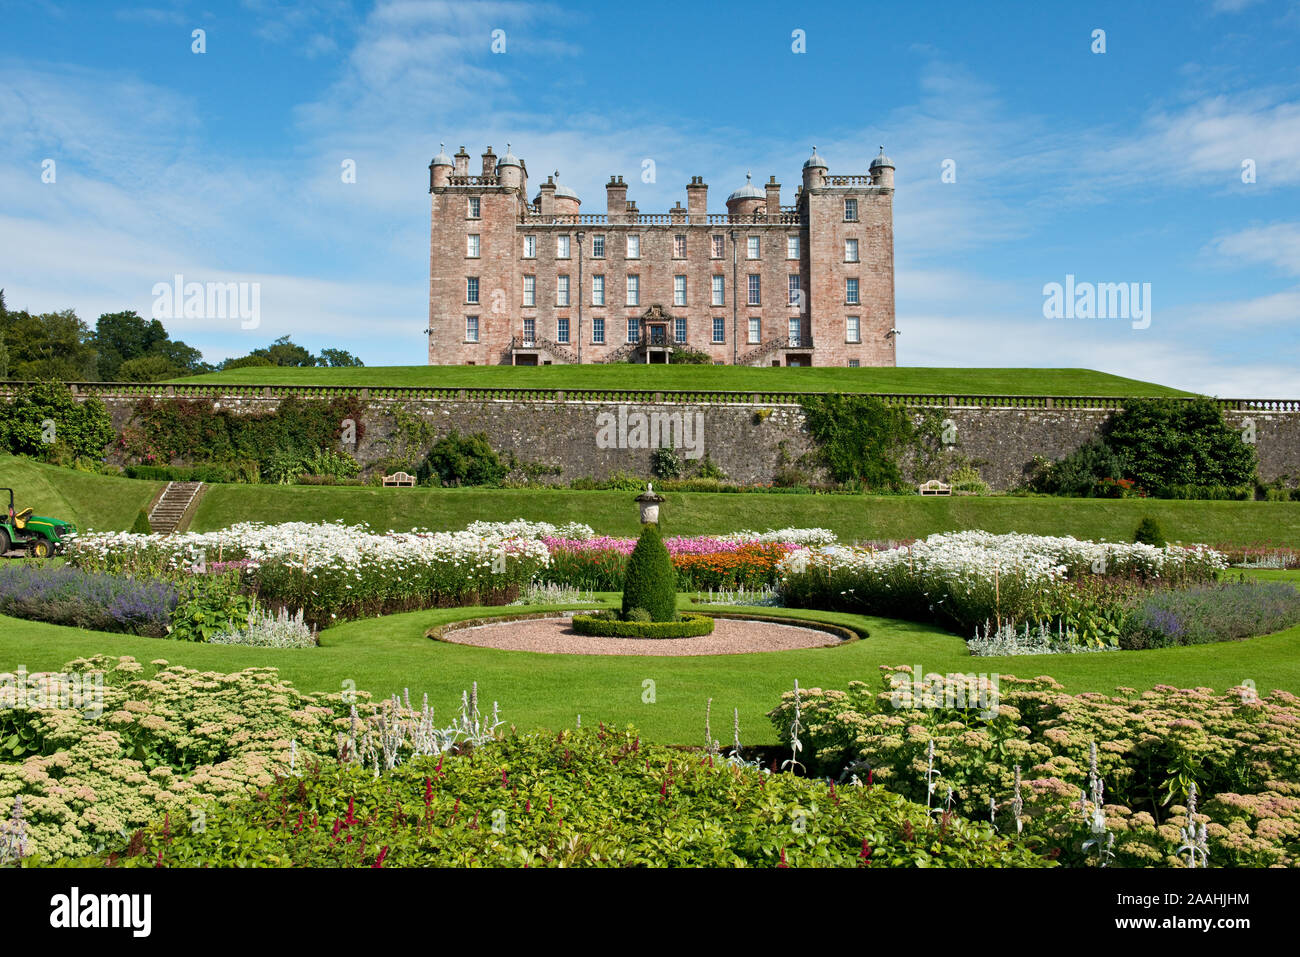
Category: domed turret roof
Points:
column 748, row 191
column 510, row 159
column 814, row 160
column 442, row 159
column 561, row 191
column 882, row 160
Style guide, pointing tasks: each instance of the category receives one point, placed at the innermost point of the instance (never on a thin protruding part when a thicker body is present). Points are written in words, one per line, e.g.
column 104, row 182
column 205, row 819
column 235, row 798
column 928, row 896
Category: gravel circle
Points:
column 731, row 636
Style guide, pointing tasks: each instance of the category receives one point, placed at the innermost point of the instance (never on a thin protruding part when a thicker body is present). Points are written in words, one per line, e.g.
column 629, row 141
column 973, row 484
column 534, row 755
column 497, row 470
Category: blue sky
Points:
column 1122, row 166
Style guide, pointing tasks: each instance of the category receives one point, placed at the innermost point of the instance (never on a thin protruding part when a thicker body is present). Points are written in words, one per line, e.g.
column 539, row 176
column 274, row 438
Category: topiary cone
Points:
column 651, row 580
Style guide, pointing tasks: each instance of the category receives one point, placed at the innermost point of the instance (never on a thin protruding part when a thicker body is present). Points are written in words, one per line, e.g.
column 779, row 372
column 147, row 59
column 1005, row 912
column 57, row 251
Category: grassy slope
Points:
column 85, row 499
column 537, row 690
column 102, row 502
column 689, row 513
column 626, row 376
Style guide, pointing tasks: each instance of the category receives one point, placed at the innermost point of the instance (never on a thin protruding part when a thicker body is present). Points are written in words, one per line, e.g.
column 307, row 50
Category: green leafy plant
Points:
column 463, row 460
column 1163, row 442
column 651, row 581
column 211, row 604
column 1149, row 533
column 860, row 438
column 666, row 463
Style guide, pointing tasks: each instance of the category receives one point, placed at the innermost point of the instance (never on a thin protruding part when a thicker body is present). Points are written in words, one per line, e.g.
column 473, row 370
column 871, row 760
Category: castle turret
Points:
column 440, row 169
column 510, row 170
column 814, row 171
column 747, row 200
column 882, row 170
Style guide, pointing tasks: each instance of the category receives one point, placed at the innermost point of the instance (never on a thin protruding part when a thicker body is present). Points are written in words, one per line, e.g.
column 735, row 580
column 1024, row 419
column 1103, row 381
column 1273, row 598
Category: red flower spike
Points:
column 783, row 863
column 379, row 861
column 865, row 853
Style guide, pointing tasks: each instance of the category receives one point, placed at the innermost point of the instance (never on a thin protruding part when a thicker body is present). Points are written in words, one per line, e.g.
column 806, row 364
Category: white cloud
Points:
column 1276, row 245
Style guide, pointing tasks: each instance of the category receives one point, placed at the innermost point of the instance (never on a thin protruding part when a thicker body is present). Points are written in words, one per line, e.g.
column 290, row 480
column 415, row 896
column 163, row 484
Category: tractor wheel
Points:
column 42, row 549
column 5, row 544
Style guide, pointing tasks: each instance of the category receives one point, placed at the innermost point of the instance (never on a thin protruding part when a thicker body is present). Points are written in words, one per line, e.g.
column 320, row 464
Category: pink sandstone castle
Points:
column 541, row 282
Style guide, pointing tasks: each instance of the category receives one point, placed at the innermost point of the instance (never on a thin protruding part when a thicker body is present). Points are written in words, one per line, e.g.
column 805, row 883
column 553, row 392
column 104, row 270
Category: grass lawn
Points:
column 547, row 691
column 105, row 503
column 102, row 502
column 943, row 381
column 692, row 513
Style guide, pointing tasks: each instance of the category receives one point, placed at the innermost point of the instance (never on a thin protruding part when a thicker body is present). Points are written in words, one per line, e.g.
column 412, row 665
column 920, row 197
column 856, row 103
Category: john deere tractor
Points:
column 35, row 535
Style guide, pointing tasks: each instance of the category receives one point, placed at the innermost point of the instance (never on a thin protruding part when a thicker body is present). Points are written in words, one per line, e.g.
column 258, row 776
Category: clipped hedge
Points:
column 607, row 626
column 651, row 581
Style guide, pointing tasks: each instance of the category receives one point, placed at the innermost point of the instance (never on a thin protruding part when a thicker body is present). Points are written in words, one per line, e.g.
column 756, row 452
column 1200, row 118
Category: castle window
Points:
column 634, row 290
column 852, row 329
column 853, row 363
column 755, row 287
column 679, row 246
column 598, row 290
column 851, row 291
column 598, row 331
column 598, row 246
column 792, row 247
column 472, row 245
column 530, row 247
column 719, row 330
column 634, row 330
column 796, row 332
column 475, row 207
column 562, row 330
column 751, row 247
column 561, row 290
column 796, row 297
column 850, row 250
column 471, row 289
column 719, row 290
column 755, row 329
column 561, row 247
column 679, row 290
column 633, row 246
column 471, row 328
column 679, row 330
column 530, row 290
column 530, row 331
column 719, row 246
column 850, row 210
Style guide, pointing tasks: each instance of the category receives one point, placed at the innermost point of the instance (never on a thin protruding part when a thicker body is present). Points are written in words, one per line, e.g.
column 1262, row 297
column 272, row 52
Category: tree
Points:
column 120, row 337
column 50, row 345
column 245, row 362
column 44, row 418
column 650, row 581
column 338, row 358
column 150, row 368
column 285, row 352
column 1165, row 442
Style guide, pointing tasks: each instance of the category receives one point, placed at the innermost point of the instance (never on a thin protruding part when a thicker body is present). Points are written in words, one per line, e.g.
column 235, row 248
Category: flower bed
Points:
column 592, row 798
column 103, row 602
column 331, row 571
column 701, row 562
column 967, row 579
column 1240, row 750
column 1228, row 611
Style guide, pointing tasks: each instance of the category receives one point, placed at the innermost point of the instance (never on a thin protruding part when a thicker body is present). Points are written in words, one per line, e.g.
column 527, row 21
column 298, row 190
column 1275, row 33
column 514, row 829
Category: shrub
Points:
column 666, row 463
column 591, row 798
column 62, row 595
column 1240, row 749
column 607, row 626
column 80, row 428
column 1079, row 473
column 1149, row 533
column 211, row 605
column 1227, row 611
column 463, row 460
column 967, row 479
column 650, row 582
column 1164, row 442
column 860, row 438
column 141, row 524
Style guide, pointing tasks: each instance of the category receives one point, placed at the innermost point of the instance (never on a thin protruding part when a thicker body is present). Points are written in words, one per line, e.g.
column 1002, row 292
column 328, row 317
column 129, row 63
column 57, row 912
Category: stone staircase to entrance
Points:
column 173, row 507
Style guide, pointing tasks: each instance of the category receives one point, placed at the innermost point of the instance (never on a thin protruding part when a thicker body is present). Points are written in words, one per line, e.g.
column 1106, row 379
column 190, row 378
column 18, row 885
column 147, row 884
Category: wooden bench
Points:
column 935, row 487
column 399, row 480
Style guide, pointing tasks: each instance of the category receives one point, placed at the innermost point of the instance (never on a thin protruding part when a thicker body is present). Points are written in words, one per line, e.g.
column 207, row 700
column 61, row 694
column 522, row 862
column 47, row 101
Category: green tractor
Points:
column 35, row 535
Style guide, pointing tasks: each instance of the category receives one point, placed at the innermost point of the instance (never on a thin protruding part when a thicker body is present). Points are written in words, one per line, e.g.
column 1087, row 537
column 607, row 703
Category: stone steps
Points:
column 170, row 510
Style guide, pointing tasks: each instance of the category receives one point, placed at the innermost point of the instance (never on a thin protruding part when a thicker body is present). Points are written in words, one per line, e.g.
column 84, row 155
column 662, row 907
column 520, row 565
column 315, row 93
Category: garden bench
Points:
column 935, row 487
column 399, row 480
